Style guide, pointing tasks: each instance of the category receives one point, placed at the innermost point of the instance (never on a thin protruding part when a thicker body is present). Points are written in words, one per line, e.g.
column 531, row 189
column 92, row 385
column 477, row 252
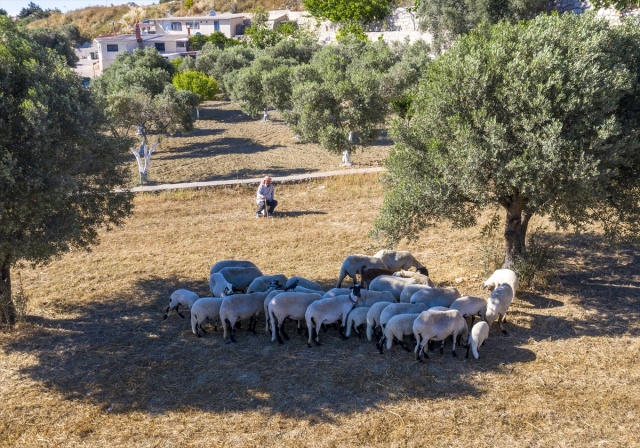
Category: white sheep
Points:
column 435, row 296
column 219, row 285
column 500, row 276
column 397, row 328
column 400, row 259
column 352, row 266
column 240, row 277
column 479, row 333
column 436, row 325
column 328, row 311
column 370, row 297
column 373, row 319
column 267, row 299
column 394, row 285
column 290, row 304
column 420, row 278
column 227, row 263
column 470, row 306
column 303, row 289
column 399, row 308
column 179, row 297
column 242, row 306
column 263, row 283
column 407, row 292
column 498, row 304
column 356, row 318
column 304, row 282
column 203, row 309
column 336, row 292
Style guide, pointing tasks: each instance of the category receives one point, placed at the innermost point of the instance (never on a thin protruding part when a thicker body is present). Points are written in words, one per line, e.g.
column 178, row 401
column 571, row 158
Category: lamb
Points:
column 397, row 328
column 219, row 285
column 240, row 277
column 394, row 285
column 203, row 309
column 356, row 318
column 227, row 263
column 292, row 305
column 436, row 325
column 497, row 305
column 242, row 306
column 263, row 283
column 179, row 297
column 369, row 274
column 435, row 296
column 328, row 311
column 400, row 259
column 301, row 281
column 470, row 306
column 352, row 266
column 373, row 318
column 407, row 292
column 420, row 278
column 500, row 276
column 479, row 333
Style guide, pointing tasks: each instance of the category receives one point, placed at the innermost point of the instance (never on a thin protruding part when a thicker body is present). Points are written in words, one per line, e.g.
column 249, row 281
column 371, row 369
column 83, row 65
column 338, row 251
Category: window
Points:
column 160, row 46
column 193, row 25
column 172, row 26
column 180, row 44
column 112, row 47
column 216, row 25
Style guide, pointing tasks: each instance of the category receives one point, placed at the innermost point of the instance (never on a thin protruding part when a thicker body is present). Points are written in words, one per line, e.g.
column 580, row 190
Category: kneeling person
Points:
column 264, row 197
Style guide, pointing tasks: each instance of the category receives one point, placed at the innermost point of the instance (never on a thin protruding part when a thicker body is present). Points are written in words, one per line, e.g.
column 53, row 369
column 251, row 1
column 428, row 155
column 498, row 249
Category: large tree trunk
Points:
column 346, row 154
column 143, row 157
column 7, row 307
column 515, row 229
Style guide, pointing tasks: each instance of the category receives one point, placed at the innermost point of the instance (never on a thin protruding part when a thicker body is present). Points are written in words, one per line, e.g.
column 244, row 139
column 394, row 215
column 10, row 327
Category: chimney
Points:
column 138, row 35
column 188, row 31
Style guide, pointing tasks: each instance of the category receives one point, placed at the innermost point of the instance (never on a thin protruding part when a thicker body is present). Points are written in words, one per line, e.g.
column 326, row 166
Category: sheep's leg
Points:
column 166, row 312
column 284, row 333
column 276, row 326
column 403, row 345
column 500, row 320
column 178, row 311
column 202, row 328
column 380, row 343
column 357, row 332
column 318, row 333
column 231, row 330
column 442, row 347
column 466, row 356
column 453, row 349
column 254, row 319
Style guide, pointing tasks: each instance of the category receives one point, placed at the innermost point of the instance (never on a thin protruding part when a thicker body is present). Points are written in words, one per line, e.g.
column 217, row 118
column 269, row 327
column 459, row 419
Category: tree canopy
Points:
column 58, row 164
column 140, row 101
column 342, row 11
column 539, row 117
column 446, row 19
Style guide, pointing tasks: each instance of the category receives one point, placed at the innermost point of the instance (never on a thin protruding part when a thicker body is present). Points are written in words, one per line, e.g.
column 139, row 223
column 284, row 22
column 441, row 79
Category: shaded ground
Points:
column 228, row 144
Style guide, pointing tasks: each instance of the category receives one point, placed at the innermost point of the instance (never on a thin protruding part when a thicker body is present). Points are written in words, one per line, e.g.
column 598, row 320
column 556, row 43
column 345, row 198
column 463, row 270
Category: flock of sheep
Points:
column 395, row 298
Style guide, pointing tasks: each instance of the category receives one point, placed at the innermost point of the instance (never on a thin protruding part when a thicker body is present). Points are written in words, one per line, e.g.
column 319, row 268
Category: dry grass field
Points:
column 94, row 364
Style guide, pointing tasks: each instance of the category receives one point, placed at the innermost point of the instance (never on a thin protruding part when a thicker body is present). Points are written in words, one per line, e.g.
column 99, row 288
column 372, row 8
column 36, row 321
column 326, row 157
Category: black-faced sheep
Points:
column 219, row 286
column 470, row 306
column 352, row 267
column 397, row 328
column 400, row 259
column 263, row 283
column 242, row 306
column 356, row 318
column 373, row 319
column 240, row 277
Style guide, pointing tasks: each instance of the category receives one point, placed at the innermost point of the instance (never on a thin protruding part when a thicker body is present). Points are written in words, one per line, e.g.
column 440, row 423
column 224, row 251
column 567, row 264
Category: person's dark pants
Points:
column 271, row 203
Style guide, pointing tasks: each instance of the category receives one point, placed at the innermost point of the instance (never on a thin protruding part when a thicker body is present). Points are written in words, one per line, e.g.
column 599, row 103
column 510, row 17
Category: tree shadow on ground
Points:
column 223, row 115
column 197, row 133
column 122, row 356
column 221, row 147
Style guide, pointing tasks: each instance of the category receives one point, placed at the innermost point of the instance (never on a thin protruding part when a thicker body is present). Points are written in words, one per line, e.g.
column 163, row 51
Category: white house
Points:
column 228, row 24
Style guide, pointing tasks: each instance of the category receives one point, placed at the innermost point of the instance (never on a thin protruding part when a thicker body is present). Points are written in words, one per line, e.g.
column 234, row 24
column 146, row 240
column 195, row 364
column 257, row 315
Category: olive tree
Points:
column 59, row 166
column 140, row 102
column 535, row 118
column 197, row 82
column 339, row 94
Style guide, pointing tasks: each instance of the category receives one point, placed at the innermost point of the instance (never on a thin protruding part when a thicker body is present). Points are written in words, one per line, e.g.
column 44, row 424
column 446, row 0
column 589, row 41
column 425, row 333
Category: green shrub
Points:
column 536, row 265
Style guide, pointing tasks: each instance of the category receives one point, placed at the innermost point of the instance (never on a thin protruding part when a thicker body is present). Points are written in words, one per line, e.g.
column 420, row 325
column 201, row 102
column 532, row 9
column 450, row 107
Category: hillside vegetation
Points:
column 96, row 20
